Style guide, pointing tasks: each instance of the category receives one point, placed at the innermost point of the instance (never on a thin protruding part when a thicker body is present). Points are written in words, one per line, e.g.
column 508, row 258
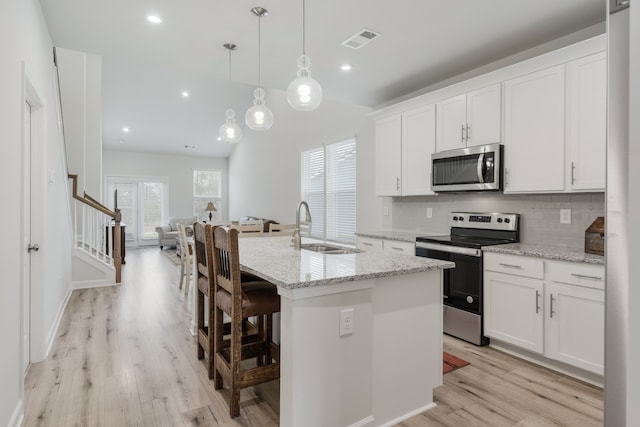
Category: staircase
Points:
column 97, row 232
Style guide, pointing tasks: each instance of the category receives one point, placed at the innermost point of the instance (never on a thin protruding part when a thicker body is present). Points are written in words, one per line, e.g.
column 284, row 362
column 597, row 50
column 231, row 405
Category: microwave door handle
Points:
column 480, row 168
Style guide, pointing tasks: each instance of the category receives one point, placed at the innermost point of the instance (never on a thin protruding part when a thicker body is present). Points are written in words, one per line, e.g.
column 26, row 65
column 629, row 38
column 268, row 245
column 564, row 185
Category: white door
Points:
column 575, row 319
column 587, row 122
column 534, row 131
column 513, row 310
column 26, row 233
column 452, row 123
column 484, row 116
column 388, row 156
column 418, row 144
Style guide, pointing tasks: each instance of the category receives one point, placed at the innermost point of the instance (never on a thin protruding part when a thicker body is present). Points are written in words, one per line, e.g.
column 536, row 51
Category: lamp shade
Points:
column 210, row 207
column 304, row 93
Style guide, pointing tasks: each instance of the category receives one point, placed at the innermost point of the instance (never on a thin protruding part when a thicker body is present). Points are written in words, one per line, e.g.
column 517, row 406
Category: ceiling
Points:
column 147, row 66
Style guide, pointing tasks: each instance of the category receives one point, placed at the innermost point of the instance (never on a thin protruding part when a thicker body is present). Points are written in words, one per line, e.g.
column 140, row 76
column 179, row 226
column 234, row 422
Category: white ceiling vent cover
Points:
column 361, row 38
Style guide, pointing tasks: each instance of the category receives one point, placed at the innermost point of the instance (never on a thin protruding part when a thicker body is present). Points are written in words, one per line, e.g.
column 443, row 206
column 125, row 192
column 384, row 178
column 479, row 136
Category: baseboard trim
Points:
column 87, row 284
column 56, row 323
column 367, row 421
column 409, row 415
column 17, row 417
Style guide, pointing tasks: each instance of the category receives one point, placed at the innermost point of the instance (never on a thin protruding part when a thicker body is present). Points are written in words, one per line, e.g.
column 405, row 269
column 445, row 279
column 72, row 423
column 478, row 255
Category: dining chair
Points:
column 186, row 257
column 249, row 230
column 240, row 301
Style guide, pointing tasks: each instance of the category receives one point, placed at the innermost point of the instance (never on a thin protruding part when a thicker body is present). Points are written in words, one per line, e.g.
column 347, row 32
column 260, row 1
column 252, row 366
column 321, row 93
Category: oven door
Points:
column 462, row 284
column 468, row 169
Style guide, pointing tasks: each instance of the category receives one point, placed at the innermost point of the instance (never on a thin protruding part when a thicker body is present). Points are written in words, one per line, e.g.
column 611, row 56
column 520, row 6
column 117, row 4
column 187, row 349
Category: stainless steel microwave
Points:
column 467, row 169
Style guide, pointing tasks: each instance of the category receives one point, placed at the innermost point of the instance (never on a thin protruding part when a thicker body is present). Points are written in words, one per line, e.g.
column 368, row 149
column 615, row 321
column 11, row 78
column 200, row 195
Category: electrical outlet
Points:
column 346, row 321
column 429, row 212
column 565, row 216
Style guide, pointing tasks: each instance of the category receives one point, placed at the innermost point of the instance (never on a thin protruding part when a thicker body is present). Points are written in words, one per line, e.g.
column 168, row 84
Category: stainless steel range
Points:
column 463, row 290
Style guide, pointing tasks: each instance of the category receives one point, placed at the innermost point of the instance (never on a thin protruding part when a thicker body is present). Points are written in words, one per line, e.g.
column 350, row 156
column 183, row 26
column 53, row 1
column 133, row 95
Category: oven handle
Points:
column 450, row 249
column 480, row 167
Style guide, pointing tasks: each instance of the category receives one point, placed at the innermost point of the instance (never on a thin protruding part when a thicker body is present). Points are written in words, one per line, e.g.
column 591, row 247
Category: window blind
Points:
column 329, row 186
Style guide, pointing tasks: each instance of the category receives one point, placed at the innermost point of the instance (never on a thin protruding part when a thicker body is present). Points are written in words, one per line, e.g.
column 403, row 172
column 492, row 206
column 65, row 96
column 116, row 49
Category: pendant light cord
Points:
column 229, row 82
column 304, row 27
column 259, row 46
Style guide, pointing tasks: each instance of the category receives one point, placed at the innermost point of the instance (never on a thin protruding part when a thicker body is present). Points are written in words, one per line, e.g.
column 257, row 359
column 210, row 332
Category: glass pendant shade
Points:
column 230, row 132
column 304, row 93
column 259, row 117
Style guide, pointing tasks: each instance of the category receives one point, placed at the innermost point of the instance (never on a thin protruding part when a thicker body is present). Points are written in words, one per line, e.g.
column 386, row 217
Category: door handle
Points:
column 33, row 248
column 461, row 133
column 467, row 134
column 551, row 307
column 537, row 302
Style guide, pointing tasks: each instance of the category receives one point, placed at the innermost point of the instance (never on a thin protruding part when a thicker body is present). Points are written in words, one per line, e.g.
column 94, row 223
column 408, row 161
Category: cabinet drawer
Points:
column 369, row 244
column 586, row 275
column 514, row 264
column 398, row 247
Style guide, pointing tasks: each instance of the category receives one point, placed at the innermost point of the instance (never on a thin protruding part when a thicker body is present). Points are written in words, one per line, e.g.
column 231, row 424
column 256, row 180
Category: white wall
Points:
column 264, row 168
column 24, row 39
column 179, row 170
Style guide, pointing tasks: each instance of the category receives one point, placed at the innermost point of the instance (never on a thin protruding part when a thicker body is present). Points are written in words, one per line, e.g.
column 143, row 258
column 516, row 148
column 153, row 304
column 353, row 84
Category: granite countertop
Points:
column 275, row 260
column 552, row 252
column 403, row 236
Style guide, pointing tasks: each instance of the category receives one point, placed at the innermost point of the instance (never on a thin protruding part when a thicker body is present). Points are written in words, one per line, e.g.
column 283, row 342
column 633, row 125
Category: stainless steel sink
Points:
column 328, row 249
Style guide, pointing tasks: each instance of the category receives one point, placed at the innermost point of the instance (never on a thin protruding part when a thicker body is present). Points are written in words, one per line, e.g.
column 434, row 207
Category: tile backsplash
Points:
column 539, row 213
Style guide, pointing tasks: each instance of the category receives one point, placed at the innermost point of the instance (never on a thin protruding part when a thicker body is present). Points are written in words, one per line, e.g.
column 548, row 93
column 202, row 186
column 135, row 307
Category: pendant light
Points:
column 259, row 117
column 230, row 132
column 304, row 93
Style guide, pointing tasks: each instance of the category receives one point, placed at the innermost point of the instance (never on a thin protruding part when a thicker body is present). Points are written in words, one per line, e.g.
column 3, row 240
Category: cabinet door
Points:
column 587, row 122
column 534, row 132
column 484, row 115
column 513, row 310
column 575, row 326
column 452, row 121
column 388, row 156
column 418, row 144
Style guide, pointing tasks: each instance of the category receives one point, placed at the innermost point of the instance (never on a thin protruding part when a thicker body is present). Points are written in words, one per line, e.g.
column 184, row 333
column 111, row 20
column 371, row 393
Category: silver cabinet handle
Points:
column 573, row 173
column 461, row 133
column 467, row 133
column 396, row 248
column 519, row 267
column 551, row 306
column 583, row 276
column 367, row 244
column 397, row 182
column 506, row 177
column 537, row 302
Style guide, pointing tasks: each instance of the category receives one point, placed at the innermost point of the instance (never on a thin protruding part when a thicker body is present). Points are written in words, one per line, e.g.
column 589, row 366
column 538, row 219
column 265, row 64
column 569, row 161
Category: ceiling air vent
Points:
column 360, row 39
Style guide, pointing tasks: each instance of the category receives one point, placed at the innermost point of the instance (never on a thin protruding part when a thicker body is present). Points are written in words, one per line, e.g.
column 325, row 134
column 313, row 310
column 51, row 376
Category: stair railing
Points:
column 97, row 229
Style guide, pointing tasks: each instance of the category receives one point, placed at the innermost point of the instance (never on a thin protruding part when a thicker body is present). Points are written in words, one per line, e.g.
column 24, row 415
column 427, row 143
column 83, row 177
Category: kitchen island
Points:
column 382, row 372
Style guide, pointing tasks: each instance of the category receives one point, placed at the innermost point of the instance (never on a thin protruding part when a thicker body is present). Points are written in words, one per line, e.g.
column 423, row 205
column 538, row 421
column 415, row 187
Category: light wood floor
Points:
column 123, row 356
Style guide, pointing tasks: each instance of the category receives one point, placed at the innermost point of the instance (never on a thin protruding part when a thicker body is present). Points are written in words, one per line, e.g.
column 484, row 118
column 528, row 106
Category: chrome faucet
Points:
column 296, row 239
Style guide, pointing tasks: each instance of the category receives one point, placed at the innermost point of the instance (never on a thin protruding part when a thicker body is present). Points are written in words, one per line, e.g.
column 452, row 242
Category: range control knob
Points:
column 507, row 220
column 455, row 218
column 469, row 299
column 461, row 218
column 499, row 219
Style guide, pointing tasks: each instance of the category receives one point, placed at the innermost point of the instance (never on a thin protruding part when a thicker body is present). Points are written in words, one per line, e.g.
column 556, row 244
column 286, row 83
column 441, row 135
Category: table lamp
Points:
column 210, row 208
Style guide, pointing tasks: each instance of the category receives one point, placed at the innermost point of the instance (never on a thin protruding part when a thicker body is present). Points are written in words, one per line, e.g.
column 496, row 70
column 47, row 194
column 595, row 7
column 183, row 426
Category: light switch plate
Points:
column 565, row 216
column 346, row 321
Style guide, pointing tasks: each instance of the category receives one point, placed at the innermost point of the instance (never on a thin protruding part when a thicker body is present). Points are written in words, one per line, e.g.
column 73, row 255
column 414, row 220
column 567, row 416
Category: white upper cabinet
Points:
column 473, row 118
column 535, row 131
column 586, row 122
column 418, row 143
column 388, row 156
column 404, row 144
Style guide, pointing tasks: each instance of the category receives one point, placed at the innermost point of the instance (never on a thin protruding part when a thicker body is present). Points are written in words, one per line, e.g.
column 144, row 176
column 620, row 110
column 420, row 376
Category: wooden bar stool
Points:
column 240, row 300
column 204, row 274
column 186, row 257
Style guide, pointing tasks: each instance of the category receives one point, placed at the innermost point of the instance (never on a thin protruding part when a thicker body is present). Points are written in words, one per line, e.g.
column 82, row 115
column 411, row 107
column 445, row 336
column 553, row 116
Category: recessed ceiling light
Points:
column 190, row 147
column 125, row 130
column 346, row 67
column 154, row 19
column 185, row 94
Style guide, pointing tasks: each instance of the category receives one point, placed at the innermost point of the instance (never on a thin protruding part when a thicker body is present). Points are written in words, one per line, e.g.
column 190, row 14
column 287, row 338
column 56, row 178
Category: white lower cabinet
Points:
column 553, row 308
column 386, row 245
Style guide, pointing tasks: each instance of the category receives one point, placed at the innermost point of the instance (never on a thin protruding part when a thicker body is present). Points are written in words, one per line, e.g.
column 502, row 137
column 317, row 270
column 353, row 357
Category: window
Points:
column 329, row 186
column 207, row 186
column 143, row 205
